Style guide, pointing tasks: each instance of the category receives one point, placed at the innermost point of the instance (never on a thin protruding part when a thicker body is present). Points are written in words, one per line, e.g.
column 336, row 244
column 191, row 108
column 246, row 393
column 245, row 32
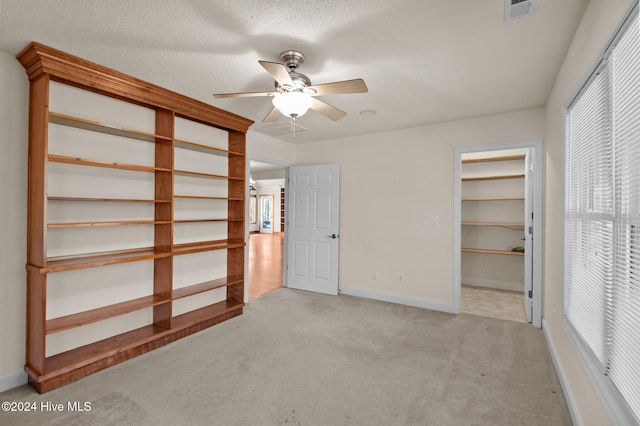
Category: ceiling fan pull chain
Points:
column 293, row 125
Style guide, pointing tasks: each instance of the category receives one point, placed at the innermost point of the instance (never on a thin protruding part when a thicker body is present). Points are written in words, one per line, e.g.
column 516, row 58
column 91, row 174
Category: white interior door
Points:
column 266, row 214
column 528, row 234
column 313, row 233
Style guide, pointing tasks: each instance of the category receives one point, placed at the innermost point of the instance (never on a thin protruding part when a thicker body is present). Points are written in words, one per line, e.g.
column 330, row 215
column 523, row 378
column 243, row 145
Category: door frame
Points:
column 286, row 166
column 537, row 149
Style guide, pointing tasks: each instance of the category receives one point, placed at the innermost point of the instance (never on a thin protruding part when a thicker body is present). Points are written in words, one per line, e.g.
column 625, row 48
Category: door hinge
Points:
column 530, row 294
column 531, row 230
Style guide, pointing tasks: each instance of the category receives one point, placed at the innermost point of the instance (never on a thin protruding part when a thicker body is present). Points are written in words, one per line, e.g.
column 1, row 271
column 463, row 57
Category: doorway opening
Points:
column 266, row 228
column 497, row 243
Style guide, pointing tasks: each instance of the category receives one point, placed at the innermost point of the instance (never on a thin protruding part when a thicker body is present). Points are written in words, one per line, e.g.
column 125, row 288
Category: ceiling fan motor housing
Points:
column 292, row 59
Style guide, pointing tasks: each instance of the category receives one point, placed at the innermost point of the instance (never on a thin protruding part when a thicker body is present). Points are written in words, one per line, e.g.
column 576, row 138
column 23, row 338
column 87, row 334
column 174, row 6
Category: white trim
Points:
column 536, row 144
column 401, row 300
column 13, row 380
column 568, row 395
column 613, row 402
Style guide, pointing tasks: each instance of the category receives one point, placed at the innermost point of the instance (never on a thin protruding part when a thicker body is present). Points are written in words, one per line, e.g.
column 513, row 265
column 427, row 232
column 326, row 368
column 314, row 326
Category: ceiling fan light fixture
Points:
column 292, row 104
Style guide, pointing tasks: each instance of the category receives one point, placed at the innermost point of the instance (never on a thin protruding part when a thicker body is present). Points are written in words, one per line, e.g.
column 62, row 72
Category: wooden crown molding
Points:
column 38, row 59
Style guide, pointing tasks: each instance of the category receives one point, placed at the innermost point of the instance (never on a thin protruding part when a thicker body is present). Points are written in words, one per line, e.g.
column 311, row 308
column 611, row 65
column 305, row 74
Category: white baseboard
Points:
column 568, row 396
column 402, row 300
column 12, row 380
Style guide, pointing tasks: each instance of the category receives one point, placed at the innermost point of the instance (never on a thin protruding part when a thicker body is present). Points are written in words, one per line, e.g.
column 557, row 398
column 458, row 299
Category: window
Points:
column 602, row 217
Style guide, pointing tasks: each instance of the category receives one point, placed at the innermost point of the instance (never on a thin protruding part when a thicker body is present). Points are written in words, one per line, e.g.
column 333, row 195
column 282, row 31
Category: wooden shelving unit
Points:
column 497, row 201
column 282, row 192
column 46, row 66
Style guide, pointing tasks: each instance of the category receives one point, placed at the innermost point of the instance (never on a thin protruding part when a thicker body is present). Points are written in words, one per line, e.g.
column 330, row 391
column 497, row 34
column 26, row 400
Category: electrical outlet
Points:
column 401, row 276
column 483, row 265
column 374, row 275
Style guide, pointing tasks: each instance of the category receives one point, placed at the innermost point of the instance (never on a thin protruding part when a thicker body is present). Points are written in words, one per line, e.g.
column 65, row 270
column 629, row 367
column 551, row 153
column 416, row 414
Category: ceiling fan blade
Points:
column 243, row 95
column 327, row 110
column 341, row 87
column 272, row 116
column 278, row 72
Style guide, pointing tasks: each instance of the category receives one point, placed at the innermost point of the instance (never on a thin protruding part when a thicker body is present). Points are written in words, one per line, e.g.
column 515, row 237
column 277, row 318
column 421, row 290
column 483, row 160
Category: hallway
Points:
column 266, row 253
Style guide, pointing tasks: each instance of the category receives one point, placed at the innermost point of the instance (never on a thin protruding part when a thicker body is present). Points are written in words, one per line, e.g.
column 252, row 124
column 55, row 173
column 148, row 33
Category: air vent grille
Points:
column 516, row 9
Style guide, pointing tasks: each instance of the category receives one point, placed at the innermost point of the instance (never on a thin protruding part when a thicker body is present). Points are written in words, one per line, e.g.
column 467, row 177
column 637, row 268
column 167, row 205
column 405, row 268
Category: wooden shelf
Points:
column 514, row 224
column 206, row 220
column 493, row 177
column 192, row 146
column 493, row 199
column 492, row 159
column 111, row 200
column 211, row 312
column 202, row 175
column 94, row 163
column 114, row 223
column 488, row 251
column 179, row 293
column 204, row 197
column 69, row 366
column 95, row 126
column 66, row 263
column 188, row 248
column 99, row 314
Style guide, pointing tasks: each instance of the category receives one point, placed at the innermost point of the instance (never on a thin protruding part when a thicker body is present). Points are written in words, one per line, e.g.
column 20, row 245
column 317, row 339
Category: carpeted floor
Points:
column 299, row 358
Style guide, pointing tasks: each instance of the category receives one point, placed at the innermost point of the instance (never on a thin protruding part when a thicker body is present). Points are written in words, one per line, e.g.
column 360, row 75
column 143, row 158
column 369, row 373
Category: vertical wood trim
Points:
column 36, row 221
column 163, row 234
column 37, row 165
column 36, row 321
column 236, row 210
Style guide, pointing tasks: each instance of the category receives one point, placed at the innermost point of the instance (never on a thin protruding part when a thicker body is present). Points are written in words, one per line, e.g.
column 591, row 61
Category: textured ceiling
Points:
column 424, row 61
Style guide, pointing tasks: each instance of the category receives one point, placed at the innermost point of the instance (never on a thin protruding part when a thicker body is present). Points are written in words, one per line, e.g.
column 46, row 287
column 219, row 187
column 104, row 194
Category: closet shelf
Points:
column 492, row 159
column 490, row 251
column 105, row 312
column 514, row 224
column 493, row 177
column 493, row 199
column 181, row 292
column 94, row 163
column 95, row 126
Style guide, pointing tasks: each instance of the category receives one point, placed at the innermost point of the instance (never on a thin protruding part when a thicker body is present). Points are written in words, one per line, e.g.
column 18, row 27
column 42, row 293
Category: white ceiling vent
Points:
column 516, row 9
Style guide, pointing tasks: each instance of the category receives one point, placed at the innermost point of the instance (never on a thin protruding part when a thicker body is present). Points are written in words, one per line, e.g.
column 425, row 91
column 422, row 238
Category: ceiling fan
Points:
column 294, row 94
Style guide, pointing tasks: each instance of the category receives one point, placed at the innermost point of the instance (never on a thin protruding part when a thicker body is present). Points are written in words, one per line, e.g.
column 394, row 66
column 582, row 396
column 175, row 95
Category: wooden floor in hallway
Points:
column 266, row 253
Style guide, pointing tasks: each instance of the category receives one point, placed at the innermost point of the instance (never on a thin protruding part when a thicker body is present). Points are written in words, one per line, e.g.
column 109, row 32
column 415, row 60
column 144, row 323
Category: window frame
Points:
column 612, row 400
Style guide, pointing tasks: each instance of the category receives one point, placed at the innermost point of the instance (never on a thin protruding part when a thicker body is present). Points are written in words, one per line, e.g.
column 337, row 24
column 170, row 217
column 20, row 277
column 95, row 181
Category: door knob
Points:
column 334, row 236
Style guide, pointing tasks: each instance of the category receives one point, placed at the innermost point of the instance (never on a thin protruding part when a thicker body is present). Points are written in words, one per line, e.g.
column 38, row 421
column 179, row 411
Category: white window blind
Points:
column 602, row 215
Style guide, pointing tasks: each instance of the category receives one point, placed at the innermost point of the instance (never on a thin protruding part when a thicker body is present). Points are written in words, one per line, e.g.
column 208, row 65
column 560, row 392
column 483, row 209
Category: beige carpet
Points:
column 299, row 358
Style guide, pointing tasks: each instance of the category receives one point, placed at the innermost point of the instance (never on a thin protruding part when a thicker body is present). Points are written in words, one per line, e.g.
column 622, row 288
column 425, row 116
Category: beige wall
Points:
column 13, row 217
column 392, row 185
column 598, row 24
column 266, row 147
